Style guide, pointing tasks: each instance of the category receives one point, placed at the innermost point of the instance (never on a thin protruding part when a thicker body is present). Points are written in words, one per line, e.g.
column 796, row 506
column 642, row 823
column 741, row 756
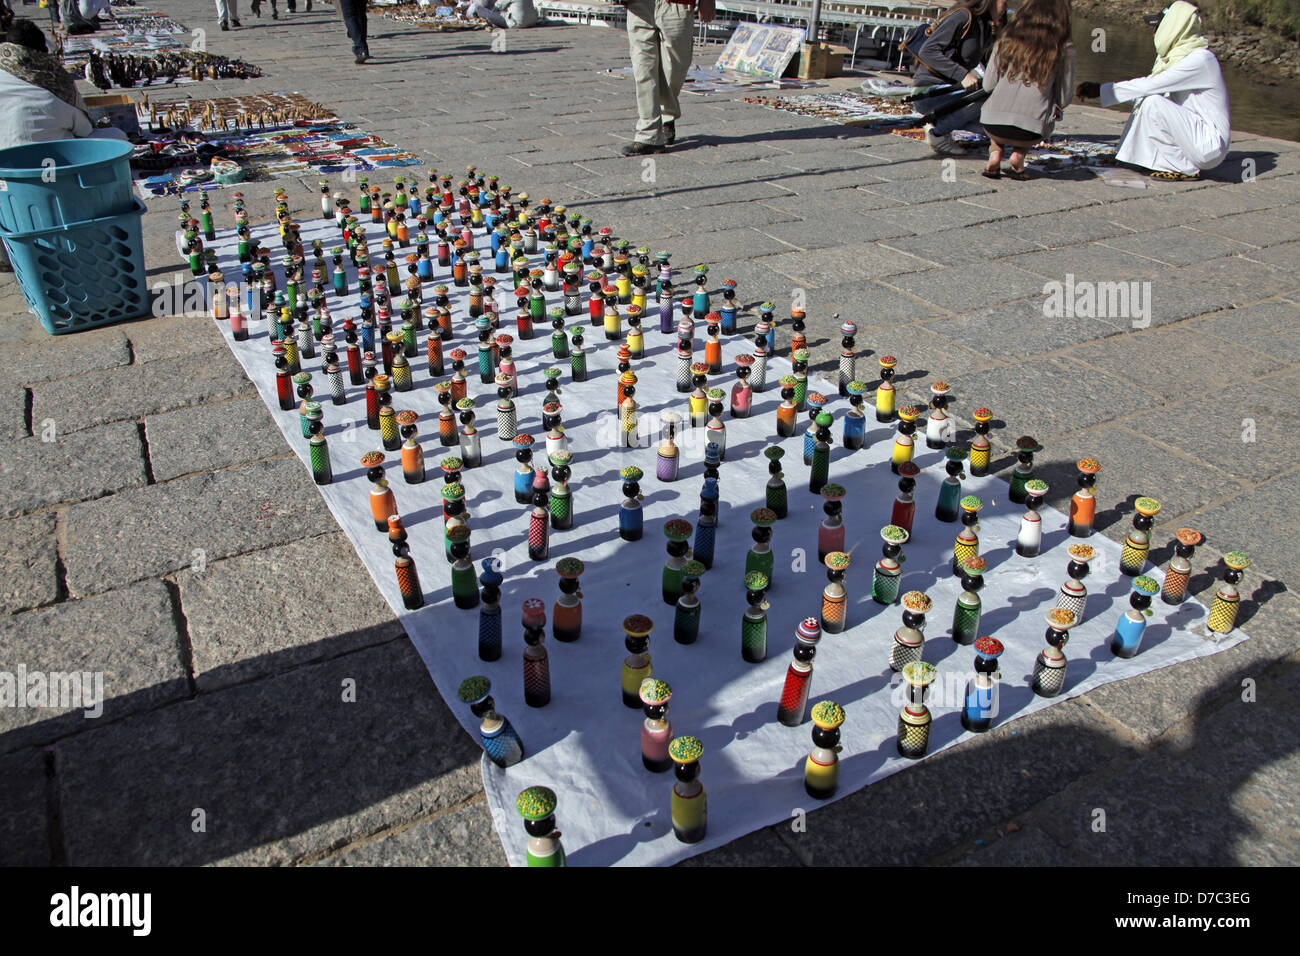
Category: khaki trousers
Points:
column 659, row 35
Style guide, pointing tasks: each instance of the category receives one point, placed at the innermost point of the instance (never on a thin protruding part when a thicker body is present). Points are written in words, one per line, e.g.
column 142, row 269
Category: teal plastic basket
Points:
column 83, row 275
column 63, row 182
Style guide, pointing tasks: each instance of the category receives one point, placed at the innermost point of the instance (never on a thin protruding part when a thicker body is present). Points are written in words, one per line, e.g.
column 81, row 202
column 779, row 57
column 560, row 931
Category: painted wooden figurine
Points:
column 830, row 536
column 561, row 493
column 1026, row 448
column 690, row 807
column 636, row 666
column 848, row 367
column 821, row 771
column 1179, row 570
column 785, row 412
column 408, row 579
column 966, row 613
column 489, row 611
column 855, row 419
column 1138, row 543
column 656, row 729
column 1083, row 506
column 716, row 430
column 758, row 376
column 447, row 434
column 699, row 401
column 774, row 495
column 914, row 720
column 909, row 640
column 799, row 365
column 753, row 623
column 668, row 454
column 904, row 510
column 947, row 508
column 412, row 453
column 630, row 520
column 537, row 665
column 523, row 469
column 706, row 528
column 471, row 450
column 539, row 521
column 382, row 502
column 537, row 806
column 904, row 442
column 798, row 678
column 980, row 447
column 885, row 390
column 727, row 311
column 1048, row 679
column 889, row 571
column 577, row 356
column 760, row 558
column 835, row 599
column 712, row 343
column 506, row 414
column 1133, row 622
column 499, row 739
column 980, row 703
column 318, row 451
column 1073, row 593
column 629, row 423
column 742, row 394
column 1223, row 610
column 678, row 533
column 816, row 401
column 464, row 587
column 821, row 457
column 967, row 544
column 1029, row 540
column 686, row 619
column 938, row 426
column 566, row 616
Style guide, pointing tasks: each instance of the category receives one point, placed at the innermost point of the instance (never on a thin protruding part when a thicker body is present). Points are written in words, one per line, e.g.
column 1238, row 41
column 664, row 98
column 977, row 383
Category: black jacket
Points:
column 947, row 56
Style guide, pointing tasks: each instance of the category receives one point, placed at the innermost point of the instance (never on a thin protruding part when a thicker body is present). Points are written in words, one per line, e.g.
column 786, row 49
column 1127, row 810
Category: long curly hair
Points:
column 1033, row 43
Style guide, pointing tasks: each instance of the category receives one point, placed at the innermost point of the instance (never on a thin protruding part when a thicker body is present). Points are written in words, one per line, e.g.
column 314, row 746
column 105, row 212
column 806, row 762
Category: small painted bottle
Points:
column 835, row 599
column 537, row 806
column 559, row 340
column 885, row 390
column 635, row 337
column 1124, row 642
column 686, row 619
column 815, row 402
column 855, row 419
column 1179, row 571
column 577, row 356
column 389, row 433
column 716, row 429
column 848, row 369
column 889, row 569
column 537, row 664
column 471, row 451
column 980, row 448
column 785, row 412
column 1083, row 505
column 318, row 449
column 706, row 528
column 668, row 453
column 539, row 521
column 760, row 557
column 612, row 321
column 566, row 617
column 656, row 729
column 412, row 453
column 767, row 319
column 1227, row 600
column 1073, row 593
column 938, row 426
column 523, row 468
column 1048, row 678
column 561, row 493
column 333, row 373
column 775, row 492
column 1138, row 543
column 500, row 741
column 700, row 300
column 636, row 666
column 689, row 806
column 904, row 510
column 821, row 458
column 758, row 374
column 1029, row 541
column 382, row 502
column 464, row 586
column 629, row 512
column 909, row 640
column 1026, row 448
column 830, row 535
column 699, row 401
column 914, row 720
column 506, row 414
column 303, row 386
column 967, row 543
column 572, row 288
column 408, row 580
column 947, row 508
column 798, row 678
column 727, row 311
column 980, row 704
column 678, row 533
column 753, row 623
column 966, row 613
column 459, row 387
column 821, row 771
column 904, row 442
column 595, row 301
column 489, row 612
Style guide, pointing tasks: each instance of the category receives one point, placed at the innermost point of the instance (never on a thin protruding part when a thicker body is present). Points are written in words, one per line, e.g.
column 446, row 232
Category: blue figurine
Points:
column 815, row 401
column 728, row 308
column 524, row 470
column 1128, row 632
column 855, row 420
column 489, row 614
column 706, row 528
column 500, row 742
column 629, row 512
column 981, row 701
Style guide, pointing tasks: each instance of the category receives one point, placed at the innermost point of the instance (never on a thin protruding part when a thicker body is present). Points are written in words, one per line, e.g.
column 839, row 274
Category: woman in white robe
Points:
column 1180, row 124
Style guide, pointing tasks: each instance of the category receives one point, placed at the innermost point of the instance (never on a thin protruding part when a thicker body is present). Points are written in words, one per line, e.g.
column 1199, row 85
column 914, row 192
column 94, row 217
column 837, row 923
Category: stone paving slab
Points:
column 183, row 441
column 24, row 824
column 128, row 393
column 1178, row 246
column 1033, row 334
column 75, row 467
column 965, row 245
column 873, row 299
column 1268, row 328
column 314, row 615
column 28, row 563
column 151, row 531
column 13, row 413
column 854, row 261
column 969, row 287
column 173, row 336
column 1256, row 228
column 127, row 635
column 283, row 768
column 1020, row 848
column 1274, row 542
column 464, row 837
column 90, row 351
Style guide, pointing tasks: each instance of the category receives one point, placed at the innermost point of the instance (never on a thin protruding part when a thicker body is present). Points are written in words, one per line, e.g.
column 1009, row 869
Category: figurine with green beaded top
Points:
column 537, row 806
column 821, row 771
column 775, row 494
column 689, row 803
column 760, row 557
column 753, row 624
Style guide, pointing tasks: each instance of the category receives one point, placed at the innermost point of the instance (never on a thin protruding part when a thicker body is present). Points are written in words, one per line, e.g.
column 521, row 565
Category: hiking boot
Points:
column 641, row 149
column 944, row 144
column 670, row 133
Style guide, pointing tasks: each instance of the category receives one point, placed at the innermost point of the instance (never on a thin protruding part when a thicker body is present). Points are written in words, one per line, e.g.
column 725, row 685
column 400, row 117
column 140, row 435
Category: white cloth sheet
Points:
column 585, row 743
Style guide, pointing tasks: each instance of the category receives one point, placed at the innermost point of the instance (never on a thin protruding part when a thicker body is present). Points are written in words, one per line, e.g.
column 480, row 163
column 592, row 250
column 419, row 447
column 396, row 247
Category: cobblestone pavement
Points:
column 224, row 683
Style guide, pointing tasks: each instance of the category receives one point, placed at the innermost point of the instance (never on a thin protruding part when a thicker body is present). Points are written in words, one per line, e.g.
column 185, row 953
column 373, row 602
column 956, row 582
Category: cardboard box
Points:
column 820, row 60
column 117, row 108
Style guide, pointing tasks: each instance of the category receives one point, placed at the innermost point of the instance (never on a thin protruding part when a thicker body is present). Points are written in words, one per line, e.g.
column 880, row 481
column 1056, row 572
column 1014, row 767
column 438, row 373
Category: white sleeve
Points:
column 1187, row 74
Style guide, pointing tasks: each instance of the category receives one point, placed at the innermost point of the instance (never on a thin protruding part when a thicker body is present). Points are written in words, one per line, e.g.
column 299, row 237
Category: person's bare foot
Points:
column 1016, row 170
column 994, row 168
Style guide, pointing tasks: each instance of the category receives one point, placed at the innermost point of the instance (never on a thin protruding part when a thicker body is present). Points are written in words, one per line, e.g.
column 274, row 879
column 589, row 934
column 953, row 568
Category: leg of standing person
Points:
column 484, row 12
column 676, row 23
column 353, row 13
column 644, row 45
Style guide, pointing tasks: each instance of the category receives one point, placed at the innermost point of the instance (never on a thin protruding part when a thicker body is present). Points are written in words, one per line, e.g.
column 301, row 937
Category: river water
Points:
column 1256, row 107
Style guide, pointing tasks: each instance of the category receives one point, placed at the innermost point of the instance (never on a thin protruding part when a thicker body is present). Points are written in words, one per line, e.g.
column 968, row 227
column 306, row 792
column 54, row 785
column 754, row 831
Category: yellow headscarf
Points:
column 1179, row 34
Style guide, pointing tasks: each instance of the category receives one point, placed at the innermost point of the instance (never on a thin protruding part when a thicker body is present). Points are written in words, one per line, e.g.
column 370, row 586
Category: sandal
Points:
column 992, row 173
column 1174, row 177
